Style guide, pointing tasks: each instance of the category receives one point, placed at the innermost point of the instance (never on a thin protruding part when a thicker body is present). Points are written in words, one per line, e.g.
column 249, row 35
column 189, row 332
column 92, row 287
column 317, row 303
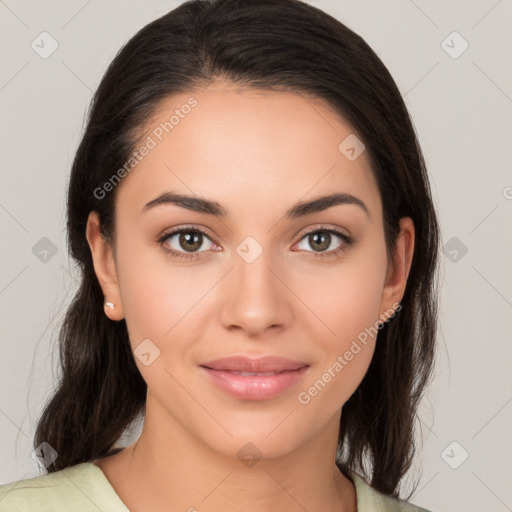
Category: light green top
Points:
column 85, row 488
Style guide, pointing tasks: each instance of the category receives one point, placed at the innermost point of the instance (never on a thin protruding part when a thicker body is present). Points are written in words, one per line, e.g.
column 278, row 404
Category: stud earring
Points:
column 110, row 305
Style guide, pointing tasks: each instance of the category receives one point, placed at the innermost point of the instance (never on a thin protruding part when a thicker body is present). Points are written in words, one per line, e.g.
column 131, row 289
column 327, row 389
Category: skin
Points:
column 257, row 153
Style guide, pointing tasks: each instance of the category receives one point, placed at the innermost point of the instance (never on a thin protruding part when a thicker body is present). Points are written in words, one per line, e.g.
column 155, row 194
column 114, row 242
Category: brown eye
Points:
column 183, row 241
column 321, row 240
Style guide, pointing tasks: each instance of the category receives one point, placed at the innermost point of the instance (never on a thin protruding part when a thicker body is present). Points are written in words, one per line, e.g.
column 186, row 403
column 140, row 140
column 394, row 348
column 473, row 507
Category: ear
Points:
column 104, row 267
column 398, row 268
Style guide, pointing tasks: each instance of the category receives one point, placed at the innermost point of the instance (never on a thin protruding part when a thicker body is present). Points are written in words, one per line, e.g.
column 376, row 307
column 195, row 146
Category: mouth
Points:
column 251, row 385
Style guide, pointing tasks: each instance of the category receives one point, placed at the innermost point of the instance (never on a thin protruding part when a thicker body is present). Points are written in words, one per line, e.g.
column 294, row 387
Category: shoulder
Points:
column 82, row 487
column 370, row 500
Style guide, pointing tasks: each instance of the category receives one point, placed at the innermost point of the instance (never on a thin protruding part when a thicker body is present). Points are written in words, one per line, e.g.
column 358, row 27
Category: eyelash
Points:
column 347, row 241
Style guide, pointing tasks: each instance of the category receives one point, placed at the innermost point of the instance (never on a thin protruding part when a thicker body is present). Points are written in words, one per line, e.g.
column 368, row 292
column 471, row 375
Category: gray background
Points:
column 461, row 108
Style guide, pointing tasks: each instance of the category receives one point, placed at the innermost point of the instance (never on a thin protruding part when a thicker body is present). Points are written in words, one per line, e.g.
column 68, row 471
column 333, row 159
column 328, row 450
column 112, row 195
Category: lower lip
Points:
column 254, row 387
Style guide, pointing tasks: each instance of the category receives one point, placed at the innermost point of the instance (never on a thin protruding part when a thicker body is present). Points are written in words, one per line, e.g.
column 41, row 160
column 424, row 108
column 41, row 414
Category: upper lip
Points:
column 247, row 364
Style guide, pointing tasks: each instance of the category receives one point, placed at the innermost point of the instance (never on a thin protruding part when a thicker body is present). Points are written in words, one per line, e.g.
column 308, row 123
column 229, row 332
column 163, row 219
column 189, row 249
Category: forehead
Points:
column 246, row 148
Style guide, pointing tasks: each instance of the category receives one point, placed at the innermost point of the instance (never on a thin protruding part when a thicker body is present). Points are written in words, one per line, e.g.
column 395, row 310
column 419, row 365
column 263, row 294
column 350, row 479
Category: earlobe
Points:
column 399, row 268
column 104, row 267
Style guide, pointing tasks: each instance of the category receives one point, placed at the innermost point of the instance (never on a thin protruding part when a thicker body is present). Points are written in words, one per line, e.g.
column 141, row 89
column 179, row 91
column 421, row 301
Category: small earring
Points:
column 110, row 305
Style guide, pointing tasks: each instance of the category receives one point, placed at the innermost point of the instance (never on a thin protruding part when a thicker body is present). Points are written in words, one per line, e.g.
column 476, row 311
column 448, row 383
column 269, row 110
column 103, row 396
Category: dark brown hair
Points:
column 282, row 45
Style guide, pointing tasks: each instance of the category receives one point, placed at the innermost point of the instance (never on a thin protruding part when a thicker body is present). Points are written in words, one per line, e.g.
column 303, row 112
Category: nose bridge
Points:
column 254, row 279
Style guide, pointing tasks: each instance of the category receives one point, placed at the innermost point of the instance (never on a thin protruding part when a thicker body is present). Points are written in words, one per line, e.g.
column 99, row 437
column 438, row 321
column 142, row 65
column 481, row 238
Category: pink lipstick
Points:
column 255, row 379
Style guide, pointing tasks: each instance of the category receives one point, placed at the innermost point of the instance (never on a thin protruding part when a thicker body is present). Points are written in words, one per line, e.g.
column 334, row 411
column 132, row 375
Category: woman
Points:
column 252, row 217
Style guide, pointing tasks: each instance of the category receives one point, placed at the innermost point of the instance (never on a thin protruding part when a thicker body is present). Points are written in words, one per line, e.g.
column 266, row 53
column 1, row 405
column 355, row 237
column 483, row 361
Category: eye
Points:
column 184, row 243
column 189, row 241
column 322, row 239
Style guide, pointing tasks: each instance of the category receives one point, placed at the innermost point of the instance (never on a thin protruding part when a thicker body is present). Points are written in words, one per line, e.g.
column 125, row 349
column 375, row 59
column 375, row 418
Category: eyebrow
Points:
column 300, row 209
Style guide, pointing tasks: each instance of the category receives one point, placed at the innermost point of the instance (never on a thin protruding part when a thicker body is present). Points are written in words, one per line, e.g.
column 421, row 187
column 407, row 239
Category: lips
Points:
column 241, row 365
column 247, row 378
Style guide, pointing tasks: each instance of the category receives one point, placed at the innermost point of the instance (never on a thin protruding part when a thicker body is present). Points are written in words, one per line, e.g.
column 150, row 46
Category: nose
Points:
column 255, row 296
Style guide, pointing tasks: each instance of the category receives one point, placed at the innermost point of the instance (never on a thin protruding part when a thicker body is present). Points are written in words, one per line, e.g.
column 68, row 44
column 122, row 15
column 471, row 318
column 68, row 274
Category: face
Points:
column 255, row 281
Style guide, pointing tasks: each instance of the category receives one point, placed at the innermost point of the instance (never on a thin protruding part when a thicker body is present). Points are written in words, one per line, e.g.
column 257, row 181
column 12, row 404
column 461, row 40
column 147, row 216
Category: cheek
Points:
column 345, row 354
column 347, row 300
column 356, row 304
column 155, row 295
column 346, row 297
